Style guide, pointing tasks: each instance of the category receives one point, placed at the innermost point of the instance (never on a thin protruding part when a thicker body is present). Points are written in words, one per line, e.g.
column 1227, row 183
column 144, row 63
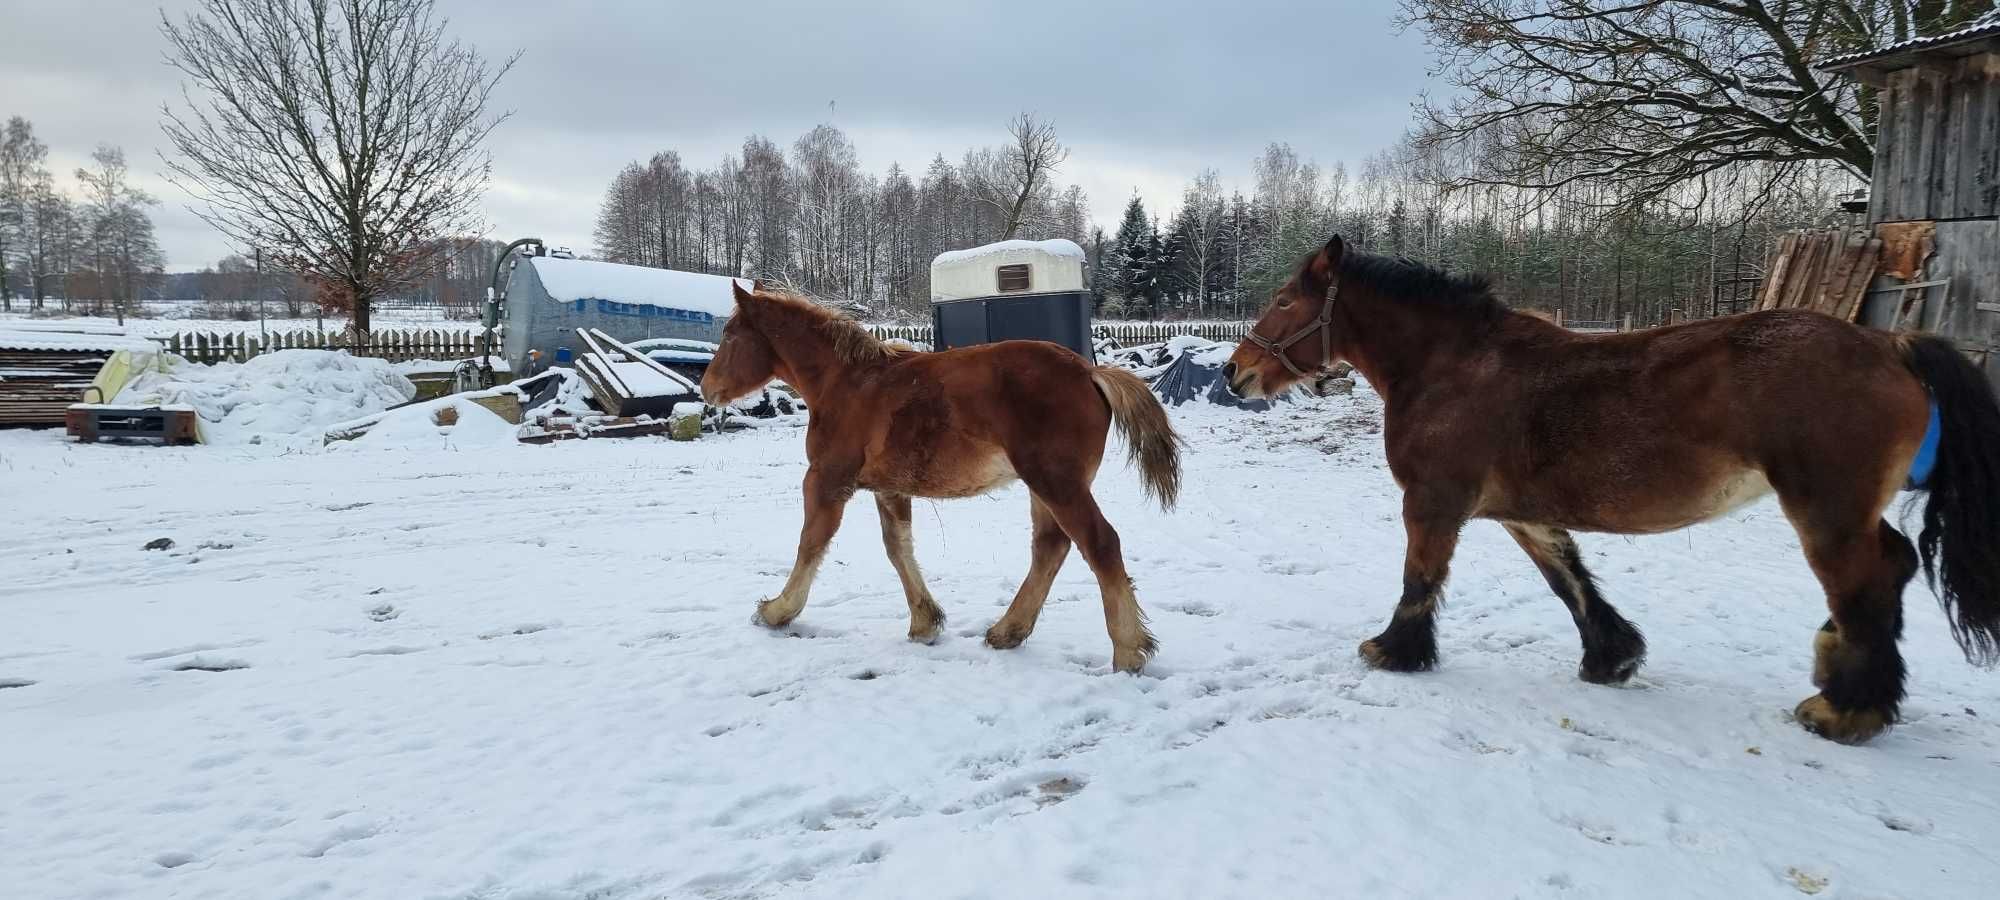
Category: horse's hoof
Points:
column 926, row 636
column 1613, row 674
column 769, row 616
column 1818, row 715
column 1004, row 638
column 1129, row 661
column 1378, row 656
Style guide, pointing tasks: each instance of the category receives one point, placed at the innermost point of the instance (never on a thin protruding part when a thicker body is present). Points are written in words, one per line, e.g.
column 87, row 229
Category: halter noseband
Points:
column 1319, row 324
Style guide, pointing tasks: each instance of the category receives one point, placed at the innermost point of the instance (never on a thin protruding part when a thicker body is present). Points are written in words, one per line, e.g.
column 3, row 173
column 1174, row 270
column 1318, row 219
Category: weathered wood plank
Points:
column 1985, row 192
column 1917, row 177
column 1885, row 154
column 1861, row 272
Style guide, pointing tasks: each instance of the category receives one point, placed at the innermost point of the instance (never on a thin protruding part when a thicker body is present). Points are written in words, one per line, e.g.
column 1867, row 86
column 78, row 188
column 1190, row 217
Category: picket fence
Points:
column 403, row 345
column 394, row 346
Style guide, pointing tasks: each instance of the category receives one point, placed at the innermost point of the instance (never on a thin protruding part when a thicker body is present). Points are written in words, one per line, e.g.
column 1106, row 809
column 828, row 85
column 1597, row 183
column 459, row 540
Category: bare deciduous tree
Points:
column 1648, row 96
column 344, row 136
column 1009, row 178
column 120, row 254
column 21, row 157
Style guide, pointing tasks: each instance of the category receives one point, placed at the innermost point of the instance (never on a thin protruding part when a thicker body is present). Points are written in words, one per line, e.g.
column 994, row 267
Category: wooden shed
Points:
column 1934, row 197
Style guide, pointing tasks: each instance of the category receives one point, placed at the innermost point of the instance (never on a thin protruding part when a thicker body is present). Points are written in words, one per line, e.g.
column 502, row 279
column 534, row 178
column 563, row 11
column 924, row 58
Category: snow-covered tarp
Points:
column 447, row 423
column 570, row 280
column 285, row 397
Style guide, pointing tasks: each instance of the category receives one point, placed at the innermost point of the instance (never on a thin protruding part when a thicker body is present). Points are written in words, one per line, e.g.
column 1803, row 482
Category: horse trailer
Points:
column 1012, row 290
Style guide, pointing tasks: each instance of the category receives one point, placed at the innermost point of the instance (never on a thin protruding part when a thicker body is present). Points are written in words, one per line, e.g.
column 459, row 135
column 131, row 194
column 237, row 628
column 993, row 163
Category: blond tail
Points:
column 1156, row 450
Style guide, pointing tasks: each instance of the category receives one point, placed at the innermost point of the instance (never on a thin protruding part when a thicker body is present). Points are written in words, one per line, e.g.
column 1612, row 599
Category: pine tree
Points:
column 1125, row 261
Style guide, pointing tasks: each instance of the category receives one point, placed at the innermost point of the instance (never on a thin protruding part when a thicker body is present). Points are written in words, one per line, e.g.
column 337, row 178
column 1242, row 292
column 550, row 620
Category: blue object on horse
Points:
column 564, row 356
column 1920, row 468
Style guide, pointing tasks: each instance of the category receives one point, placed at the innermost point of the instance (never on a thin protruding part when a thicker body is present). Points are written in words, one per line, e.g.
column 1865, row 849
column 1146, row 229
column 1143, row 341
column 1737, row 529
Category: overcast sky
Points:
column 1145, row 93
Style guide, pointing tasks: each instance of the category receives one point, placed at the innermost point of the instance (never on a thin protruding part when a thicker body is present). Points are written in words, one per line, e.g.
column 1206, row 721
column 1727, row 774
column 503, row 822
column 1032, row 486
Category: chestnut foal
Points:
column 1499, row 415
column 952, row 424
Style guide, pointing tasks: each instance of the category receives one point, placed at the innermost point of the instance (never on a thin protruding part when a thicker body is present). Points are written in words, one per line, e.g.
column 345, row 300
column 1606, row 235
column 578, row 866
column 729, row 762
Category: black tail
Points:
column 1960, row 542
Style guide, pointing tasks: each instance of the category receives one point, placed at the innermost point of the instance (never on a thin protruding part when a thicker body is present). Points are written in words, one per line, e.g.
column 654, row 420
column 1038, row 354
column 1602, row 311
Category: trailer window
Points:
column 1013, row 278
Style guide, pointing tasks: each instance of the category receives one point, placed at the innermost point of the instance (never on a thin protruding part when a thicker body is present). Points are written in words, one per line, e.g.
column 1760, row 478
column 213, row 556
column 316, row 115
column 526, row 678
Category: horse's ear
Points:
column 736, row 288
column 1327, row 260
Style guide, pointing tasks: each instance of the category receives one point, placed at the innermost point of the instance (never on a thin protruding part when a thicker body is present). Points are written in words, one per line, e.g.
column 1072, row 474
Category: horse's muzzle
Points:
column 1242, row 384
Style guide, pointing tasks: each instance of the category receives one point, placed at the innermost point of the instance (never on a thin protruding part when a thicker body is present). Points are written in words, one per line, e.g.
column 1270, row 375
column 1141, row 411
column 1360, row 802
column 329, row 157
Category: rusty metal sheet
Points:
column 1905, row 248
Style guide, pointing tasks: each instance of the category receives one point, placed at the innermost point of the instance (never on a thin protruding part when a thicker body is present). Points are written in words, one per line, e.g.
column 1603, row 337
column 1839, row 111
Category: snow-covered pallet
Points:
column 627, row 382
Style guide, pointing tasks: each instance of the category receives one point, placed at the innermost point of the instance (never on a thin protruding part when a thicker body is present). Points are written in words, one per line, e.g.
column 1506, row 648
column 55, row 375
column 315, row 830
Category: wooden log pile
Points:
column 1822, row 271
column 37, row 386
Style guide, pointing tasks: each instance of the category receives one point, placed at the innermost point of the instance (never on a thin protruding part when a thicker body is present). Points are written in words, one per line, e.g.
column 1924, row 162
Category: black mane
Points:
column 1404, row 279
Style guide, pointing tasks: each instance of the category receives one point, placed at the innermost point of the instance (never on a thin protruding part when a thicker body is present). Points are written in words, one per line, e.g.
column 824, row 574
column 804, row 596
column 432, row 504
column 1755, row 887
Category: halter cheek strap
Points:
column 1321, row 324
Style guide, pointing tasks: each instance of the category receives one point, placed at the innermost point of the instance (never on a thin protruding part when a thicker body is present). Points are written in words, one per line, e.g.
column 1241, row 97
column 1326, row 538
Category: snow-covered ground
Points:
column 528, row 672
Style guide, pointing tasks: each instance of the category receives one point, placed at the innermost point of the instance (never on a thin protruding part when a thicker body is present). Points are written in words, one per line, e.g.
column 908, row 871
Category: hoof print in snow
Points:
column 343, row 507
column 383, row 612
column 1905, row 824
column 529, row 628
column 866, row 675
column 346, row 834
column 1806, row 882
column 215, row 545
column 6, row 683
column 209, row 664
column 160, row 544
column 173, row 860
column 1192, row 608
column 1056, row 790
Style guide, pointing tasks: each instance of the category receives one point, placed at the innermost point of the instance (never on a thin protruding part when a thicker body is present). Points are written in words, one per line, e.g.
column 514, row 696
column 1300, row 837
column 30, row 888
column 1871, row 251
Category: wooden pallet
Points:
column 92, row 422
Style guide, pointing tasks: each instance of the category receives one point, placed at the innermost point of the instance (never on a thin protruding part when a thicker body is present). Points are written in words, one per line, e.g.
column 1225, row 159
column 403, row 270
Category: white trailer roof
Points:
column 1056, row 265
column 569, row 280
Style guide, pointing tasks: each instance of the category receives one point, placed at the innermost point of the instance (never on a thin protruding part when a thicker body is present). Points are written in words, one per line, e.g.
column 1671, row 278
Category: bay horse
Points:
column 1496, row 414
column 955, row 423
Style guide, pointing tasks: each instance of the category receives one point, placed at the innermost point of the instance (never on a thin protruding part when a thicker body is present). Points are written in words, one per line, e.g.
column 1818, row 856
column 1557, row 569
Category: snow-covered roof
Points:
column 18, row 337
column 1054, row 265
column 1985, row 26
column 1056, row 247
column 569, row 280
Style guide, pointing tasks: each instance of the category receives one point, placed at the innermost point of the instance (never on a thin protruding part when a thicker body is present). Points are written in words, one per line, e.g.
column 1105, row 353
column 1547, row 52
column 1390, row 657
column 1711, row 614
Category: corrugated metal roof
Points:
column 70, row 341
column 1987, row 25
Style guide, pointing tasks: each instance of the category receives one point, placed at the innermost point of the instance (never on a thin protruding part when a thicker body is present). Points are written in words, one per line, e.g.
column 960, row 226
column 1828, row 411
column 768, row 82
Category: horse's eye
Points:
column 1284, row 302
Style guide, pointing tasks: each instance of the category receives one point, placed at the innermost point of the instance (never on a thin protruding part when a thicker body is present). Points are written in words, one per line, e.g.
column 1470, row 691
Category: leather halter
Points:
column 1321, row 324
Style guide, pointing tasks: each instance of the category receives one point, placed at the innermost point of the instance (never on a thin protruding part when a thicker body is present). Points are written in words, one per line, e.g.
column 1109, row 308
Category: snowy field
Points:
column 528, row 672
column 167, row 321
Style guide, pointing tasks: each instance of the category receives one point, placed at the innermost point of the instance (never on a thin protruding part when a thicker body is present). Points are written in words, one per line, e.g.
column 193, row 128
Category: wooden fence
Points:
column 445, row 344
column 394, row 346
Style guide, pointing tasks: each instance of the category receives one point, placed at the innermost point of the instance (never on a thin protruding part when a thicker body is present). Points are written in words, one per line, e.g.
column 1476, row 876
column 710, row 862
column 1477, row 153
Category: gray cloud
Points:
column 1146, row 93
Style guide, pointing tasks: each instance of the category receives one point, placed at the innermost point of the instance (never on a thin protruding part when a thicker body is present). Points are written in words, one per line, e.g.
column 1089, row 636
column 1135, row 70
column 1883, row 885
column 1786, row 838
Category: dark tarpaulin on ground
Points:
column 1186, row 379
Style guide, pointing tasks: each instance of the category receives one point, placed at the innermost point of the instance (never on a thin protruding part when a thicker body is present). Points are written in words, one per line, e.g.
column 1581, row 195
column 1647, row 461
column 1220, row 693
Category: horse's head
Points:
column 1295, row 335
column 745, row 361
